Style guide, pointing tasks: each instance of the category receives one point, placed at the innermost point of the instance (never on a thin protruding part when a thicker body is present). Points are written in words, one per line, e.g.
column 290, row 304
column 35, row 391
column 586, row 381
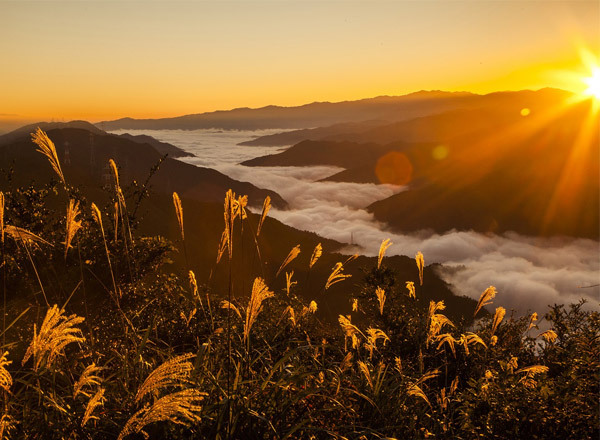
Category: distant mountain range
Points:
column 365, row 112
column 316, row 114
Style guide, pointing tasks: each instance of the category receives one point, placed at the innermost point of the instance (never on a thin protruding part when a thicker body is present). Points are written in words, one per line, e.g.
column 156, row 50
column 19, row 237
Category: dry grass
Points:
column 97, row 400
column 385, row 244
column 549, row 336
column 88, row 378
column 115, row 173
column 317, row 252
column 468, row 339
column 6, row 380
column 380, row 293
column 265, row 211
column 73, row 225
column 448, row 339
column 56, row 332
column 415, row 390
column 289, row 312
column 193, row 284
column 260, row 292
column 420, row 265
column 116, row 220
column 24, row 236
column 173, row 373
column 532, row 321
column 47, row 148
column 229, row 218
column 336, row 275
column 290, row 257
column 485, row 298
column 7, row 425
column 227, row 305
column 312, row 308
column 288, row 282
column 179, row 213
column 362, row 367
column 181, row 407
column 410, row 285
column 498, row 317
column 98, row 219
column 436, row 320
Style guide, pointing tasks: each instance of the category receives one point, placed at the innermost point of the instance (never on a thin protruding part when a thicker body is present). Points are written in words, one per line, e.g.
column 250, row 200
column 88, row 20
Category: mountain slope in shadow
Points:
column 84, row 163
column 84, row 156
column 161, row 147
column 495, row 169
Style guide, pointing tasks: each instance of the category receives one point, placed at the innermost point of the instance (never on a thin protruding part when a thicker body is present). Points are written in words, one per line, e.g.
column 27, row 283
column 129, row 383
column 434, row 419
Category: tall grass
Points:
column 267, row 364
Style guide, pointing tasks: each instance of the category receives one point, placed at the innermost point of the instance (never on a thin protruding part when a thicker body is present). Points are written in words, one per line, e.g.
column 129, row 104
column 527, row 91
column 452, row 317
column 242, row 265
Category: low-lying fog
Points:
column 529, row 273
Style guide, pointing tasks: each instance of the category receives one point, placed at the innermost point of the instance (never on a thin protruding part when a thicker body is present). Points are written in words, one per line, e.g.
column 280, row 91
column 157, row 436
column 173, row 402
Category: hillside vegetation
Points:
column 100, row 339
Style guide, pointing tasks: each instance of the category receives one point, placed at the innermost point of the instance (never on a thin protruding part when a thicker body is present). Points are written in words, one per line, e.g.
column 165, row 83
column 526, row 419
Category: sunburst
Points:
column 593, row 83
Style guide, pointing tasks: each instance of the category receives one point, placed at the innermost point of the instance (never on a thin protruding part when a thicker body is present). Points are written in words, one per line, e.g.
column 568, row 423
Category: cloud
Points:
column 529, row 273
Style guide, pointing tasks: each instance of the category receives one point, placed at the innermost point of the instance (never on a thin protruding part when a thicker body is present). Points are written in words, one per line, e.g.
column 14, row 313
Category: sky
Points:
column 101, row 60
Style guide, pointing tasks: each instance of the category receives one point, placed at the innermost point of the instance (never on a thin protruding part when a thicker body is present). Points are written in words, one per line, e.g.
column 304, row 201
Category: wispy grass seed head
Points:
column 385, row 244
column 410, row 285
column 380, row 293
column 88, row 378
column 420, row 265
column 73, row 225
column 6, row 380
column 336, row 275
column 179, row 213
column 290, row 257
column 265, row 211
column 181, row 407
column 485, row 298
column 173, row 373
column 260, row 292
column 47, row 148
column 318, row 251
column 498, row 317
column 95, row 401
column 56, row 332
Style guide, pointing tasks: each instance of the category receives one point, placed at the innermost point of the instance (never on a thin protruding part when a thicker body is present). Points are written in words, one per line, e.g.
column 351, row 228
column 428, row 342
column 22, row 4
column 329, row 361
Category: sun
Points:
column 593, row 83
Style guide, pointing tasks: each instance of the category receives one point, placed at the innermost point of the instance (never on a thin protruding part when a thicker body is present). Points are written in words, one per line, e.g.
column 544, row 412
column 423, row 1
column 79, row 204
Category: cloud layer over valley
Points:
column 529, row 273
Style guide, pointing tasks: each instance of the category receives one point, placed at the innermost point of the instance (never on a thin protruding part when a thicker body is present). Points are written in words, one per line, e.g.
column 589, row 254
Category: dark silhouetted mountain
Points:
column 491, row 169
column 25, row 130
column 341, row 154
column 310, row 134
column 84, row 157
column 538, row 176
column 385, row 108
column 161, row 147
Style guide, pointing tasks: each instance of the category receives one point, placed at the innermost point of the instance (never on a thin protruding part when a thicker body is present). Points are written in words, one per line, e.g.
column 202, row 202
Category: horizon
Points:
column 103, row 61
column 16, row 124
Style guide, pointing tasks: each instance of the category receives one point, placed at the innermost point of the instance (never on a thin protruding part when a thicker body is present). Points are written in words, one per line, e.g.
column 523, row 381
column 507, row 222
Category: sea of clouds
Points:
column 529, row 273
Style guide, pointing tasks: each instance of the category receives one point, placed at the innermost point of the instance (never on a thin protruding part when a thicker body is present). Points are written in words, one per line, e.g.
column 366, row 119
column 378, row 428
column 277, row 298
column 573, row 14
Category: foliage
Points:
column 150, row 355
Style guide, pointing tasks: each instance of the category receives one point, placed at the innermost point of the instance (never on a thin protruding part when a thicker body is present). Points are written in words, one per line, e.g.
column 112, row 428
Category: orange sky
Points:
column 105, row 60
